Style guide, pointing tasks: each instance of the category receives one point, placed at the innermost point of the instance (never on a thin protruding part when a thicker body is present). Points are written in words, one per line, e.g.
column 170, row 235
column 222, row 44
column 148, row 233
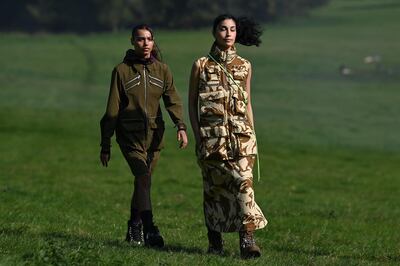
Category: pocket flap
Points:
column 241, row 126
column 239, row 75
column 212, row 69
column 210, row 96
column 217, row 131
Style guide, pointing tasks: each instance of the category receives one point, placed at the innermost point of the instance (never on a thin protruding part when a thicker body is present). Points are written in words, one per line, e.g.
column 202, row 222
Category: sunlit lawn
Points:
column 329, row 147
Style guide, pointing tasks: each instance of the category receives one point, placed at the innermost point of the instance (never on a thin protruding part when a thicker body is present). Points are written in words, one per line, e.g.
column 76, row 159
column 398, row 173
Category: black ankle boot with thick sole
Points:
column 134, row 234
column 153, row 238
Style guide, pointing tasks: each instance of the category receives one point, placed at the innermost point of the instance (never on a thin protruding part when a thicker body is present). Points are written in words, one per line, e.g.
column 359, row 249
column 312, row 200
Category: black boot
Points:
column 215, row 242
column 134, row 235
column 152, row 237
column 248, row 246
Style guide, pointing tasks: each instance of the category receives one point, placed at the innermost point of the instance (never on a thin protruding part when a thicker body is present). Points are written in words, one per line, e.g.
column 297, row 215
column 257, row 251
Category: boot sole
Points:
column 251, row 255
column 156, row 244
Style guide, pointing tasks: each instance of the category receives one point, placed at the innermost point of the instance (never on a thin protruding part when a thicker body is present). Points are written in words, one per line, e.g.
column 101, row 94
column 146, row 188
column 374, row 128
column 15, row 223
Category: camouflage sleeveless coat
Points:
column 228, row 147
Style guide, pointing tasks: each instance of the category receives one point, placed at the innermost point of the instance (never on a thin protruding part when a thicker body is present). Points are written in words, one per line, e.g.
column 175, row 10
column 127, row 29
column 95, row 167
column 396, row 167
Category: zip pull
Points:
column 145, row 100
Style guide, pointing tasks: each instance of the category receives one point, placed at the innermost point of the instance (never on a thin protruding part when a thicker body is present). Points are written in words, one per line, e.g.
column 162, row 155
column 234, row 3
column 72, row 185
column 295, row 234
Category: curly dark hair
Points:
column 248, row 31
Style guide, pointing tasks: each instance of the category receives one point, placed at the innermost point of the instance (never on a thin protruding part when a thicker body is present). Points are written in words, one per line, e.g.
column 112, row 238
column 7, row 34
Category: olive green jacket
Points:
column 134, row 101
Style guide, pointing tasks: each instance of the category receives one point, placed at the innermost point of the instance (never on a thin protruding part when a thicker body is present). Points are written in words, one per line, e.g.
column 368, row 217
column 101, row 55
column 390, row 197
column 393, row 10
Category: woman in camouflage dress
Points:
column 222, row 121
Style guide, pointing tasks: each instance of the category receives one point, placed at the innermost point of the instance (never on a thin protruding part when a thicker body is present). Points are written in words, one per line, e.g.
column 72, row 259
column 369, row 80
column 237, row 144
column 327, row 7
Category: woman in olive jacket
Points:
column 134, row 113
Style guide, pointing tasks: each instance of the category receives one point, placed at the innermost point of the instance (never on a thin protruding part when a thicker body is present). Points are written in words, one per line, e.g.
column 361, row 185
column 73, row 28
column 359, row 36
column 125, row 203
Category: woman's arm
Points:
column 109, row 120
column 174, row 106
column 249, row 108
column 172, row 100
column 193, row 100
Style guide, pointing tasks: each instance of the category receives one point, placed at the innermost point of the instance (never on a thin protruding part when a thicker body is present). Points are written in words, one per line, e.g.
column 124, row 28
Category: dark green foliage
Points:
column 100, row 15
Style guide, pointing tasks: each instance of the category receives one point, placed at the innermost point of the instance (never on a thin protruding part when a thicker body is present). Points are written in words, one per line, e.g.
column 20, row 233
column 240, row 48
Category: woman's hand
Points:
column 105, row 158
column 182, row 138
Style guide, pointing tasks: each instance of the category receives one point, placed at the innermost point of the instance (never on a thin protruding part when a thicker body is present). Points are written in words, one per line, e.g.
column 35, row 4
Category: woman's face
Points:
column 143, row 43
column 225, row 34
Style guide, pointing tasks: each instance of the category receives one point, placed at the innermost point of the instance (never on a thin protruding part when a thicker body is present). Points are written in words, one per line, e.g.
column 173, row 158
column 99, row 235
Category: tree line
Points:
column 105, row 15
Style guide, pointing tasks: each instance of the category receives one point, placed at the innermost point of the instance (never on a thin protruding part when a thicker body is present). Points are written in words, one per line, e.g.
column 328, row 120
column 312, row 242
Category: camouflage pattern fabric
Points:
column 228, row 145
column 229, row 203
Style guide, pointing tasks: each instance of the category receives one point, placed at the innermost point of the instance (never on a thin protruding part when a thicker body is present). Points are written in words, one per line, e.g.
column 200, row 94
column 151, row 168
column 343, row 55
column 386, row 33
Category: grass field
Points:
column 329, row 147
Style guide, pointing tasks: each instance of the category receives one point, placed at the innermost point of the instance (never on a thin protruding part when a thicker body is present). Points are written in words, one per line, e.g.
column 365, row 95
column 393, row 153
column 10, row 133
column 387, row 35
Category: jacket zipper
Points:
column 146, row 124
column 138, row 77
column 156, row 79
column 155, row 84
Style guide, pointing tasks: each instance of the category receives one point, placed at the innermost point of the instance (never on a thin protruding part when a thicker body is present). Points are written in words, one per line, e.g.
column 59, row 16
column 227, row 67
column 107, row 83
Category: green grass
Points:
column 329, row 147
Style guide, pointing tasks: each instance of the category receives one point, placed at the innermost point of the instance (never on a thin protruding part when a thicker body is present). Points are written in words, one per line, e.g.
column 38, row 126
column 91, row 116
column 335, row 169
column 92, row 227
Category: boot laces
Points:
column 247, row 240
column 135, row 232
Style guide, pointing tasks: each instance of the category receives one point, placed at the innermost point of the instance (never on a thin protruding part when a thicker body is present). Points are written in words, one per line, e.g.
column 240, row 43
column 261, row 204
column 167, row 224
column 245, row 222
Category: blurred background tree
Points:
column 102, row 15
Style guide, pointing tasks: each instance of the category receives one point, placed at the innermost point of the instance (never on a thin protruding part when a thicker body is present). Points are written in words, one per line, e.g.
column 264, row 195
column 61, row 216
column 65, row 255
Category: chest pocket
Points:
column 132, row 83
column 239, row 72
column 210, row 78
column 212, row 107
column 239, row 97
column 156, row 82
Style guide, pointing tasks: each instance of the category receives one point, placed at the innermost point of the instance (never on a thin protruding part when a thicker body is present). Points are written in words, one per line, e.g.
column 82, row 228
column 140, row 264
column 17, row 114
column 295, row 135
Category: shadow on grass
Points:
column 14, row 231
column 70, row 240
column 167, row 247
column 319, row 252
column 61, row 242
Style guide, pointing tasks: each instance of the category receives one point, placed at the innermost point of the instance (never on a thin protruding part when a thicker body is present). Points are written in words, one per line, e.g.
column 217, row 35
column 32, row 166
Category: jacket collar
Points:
column 131, row 57
column 223, row 56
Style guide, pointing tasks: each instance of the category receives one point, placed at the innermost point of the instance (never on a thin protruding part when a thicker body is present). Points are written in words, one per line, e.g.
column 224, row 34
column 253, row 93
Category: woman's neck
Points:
column 142, row 56
column 224, row 48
